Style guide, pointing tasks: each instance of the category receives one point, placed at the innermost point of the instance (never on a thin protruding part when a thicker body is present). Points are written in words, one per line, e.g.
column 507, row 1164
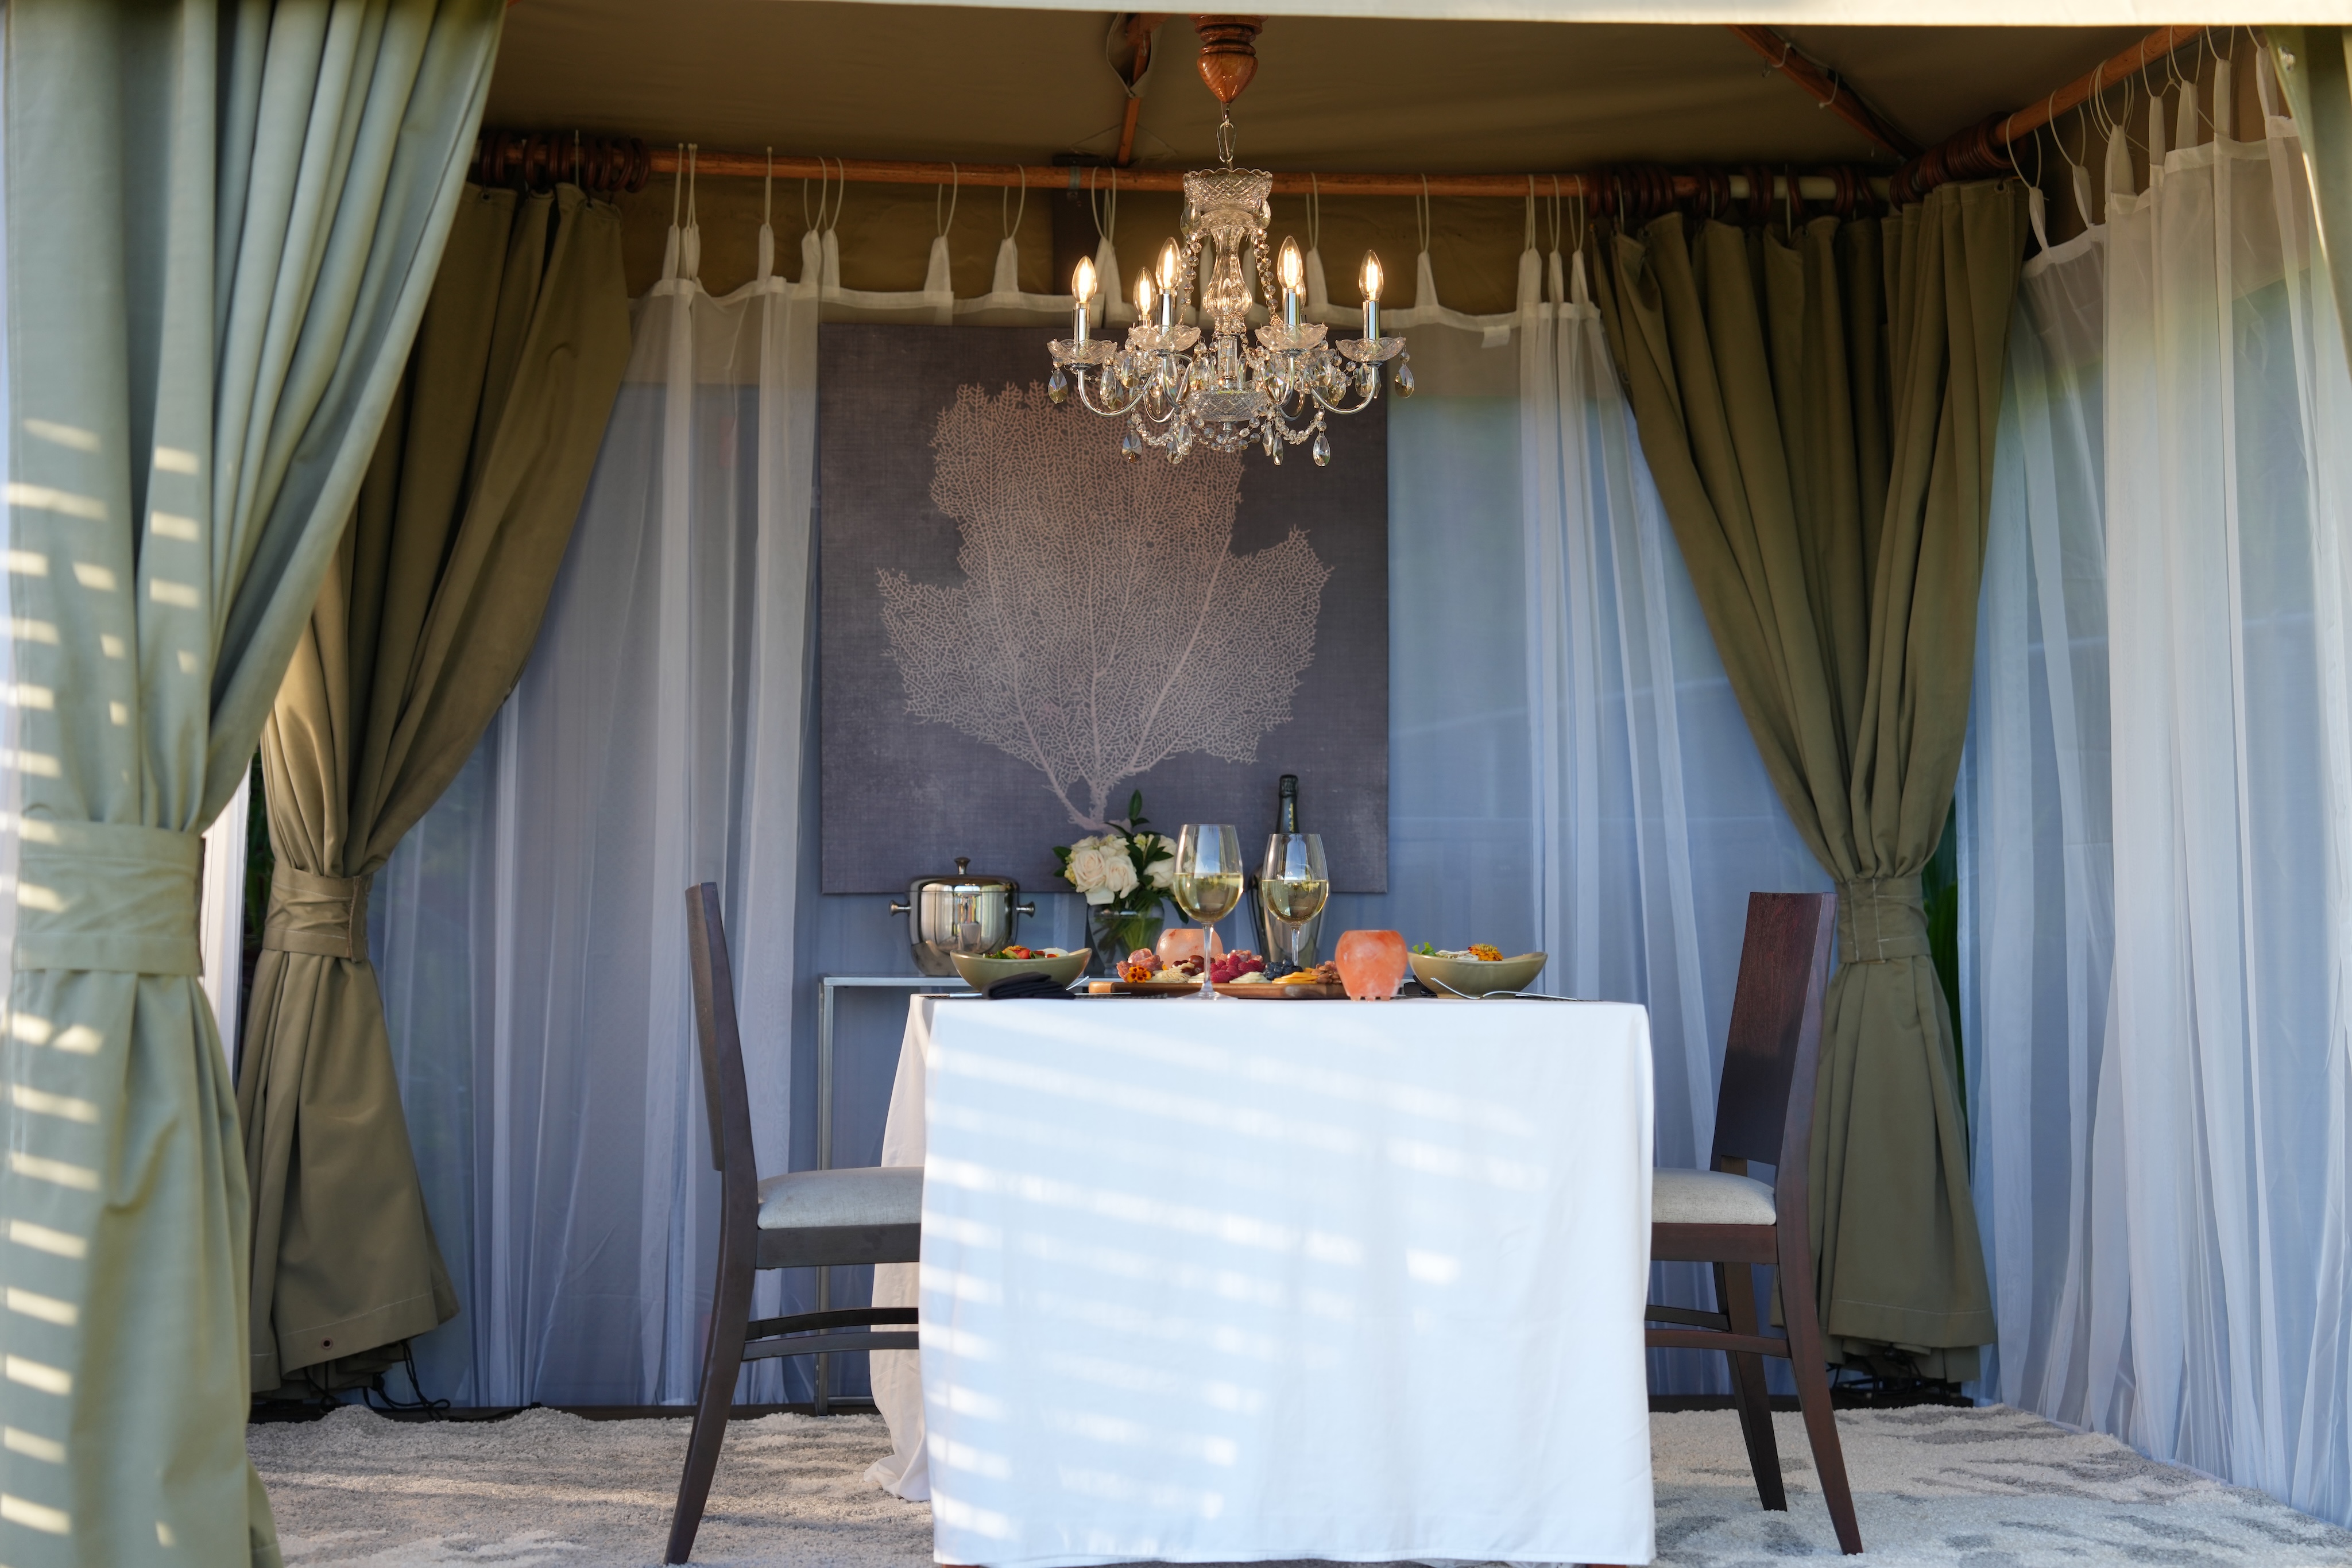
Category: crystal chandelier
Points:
column 1177, row 385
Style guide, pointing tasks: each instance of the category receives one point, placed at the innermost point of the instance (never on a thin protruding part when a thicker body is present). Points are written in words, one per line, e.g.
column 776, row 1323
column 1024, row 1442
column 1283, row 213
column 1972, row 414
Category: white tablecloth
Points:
column 1230, row 1282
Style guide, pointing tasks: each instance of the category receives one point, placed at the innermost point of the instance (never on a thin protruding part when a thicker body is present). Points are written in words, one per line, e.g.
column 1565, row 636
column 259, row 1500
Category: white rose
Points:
column 1118, row 875
column 1089, row 870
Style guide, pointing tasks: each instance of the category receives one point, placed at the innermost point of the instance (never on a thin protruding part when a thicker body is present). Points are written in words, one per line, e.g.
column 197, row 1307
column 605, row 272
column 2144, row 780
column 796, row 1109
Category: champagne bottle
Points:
column 1289, row 944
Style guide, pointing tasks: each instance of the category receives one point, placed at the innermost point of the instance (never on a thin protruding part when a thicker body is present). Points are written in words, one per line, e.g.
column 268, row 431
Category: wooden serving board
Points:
column 1268, row 993
column 1293, row 993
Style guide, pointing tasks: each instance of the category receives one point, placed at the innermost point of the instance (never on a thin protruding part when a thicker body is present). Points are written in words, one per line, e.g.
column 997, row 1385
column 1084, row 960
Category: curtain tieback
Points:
column 107, row 897
column 322, row 914
column 1880, row 918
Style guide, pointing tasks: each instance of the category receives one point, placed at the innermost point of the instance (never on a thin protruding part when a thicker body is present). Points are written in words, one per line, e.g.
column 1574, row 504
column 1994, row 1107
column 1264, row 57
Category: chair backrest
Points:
column 723, row 1091
column 1764, row 1102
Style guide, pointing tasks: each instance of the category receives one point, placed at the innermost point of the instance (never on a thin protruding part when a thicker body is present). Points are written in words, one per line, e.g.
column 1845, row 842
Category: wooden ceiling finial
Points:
column 1228, row 53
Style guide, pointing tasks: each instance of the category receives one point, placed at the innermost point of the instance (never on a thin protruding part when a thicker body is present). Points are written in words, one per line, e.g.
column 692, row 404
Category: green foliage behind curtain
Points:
column 2315, row 67
column 1939, row 896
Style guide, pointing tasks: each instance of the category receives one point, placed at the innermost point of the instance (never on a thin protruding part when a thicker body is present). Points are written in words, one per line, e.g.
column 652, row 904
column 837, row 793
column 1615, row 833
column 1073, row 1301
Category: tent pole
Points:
column 1830, row 91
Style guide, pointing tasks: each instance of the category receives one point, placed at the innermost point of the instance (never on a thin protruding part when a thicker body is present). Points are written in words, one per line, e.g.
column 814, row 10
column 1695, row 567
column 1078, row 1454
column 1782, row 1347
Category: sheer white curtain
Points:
column 220, row 917
column 2158, row 1029
column 1458, row 800
column 2035, row 838
column 534, row 972
column 1653, row 816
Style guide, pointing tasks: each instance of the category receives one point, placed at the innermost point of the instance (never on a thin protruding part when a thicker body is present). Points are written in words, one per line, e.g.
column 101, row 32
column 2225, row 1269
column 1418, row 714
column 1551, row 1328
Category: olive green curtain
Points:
column 2316, row 65
column 223, row 221
column 1818, row 411
column 428, row 614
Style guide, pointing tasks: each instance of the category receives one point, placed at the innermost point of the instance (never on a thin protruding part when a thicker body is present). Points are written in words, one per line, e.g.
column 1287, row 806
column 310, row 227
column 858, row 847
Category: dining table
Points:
column 1239, row 1280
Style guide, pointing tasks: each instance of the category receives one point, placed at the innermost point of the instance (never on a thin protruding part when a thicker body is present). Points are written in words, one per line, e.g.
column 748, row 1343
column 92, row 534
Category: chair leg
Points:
column 731, row 1313
column 1796, row 1278
column 1735, row 1289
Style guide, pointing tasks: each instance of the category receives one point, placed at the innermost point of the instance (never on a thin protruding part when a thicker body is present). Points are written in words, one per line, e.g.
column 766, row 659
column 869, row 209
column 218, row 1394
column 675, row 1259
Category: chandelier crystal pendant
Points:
column 1179, row 385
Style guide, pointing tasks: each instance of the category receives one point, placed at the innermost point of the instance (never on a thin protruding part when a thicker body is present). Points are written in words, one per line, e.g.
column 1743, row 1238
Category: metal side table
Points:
column 826, row 985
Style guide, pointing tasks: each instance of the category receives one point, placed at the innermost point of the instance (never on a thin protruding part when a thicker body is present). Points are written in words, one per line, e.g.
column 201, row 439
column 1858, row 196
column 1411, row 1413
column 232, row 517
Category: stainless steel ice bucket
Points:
column 960, row 914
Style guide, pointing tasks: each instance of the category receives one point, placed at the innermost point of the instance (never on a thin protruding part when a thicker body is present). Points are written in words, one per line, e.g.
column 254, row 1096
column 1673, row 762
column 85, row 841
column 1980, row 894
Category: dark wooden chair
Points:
column 1763, row 1111
column 805, row 1219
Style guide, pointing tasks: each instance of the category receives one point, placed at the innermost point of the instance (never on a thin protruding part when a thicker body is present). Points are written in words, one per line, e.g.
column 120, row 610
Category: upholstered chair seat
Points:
column 864, row 1195
column 1703, row 1197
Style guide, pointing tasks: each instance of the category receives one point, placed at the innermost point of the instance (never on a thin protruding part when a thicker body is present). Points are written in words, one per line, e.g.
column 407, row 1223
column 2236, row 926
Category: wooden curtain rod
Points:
column 624, row 164
column 2108, row 73
column 1056, row 177
column 1059, row 177
column 1983, row 151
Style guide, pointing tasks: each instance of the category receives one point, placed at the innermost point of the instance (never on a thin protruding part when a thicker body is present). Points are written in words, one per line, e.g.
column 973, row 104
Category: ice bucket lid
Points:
column 963, row 879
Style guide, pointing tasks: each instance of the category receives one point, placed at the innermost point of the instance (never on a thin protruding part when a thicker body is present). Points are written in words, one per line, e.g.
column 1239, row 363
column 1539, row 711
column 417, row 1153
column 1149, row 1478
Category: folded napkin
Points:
column 1022, row 986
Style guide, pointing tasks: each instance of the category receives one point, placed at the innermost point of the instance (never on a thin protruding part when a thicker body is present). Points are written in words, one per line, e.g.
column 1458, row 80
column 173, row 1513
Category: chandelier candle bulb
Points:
column 1294, row 274
column 1172, row 267
column 1372, row 294
column 1082, row 287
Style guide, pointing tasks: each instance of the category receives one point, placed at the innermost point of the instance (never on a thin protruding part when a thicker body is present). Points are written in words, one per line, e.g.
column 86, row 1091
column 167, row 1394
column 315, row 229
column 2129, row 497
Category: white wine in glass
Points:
column 1208, row 897
column 1293, row 880
column 1208, row 883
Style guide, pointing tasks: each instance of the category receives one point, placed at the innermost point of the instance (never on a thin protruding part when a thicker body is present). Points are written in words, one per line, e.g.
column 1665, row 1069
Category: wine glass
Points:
column 1293, row 884
column 1208, row 885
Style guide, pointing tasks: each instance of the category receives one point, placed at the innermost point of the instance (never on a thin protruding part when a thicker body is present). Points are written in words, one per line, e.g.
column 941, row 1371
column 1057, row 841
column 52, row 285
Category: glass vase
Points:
column 1116, row 933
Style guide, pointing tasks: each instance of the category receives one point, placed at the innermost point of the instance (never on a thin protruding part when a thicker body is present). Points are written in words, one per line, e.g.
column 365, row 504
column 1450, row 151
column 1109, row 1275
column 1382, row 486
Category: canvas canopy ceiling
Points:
column 1931, row 13
column 1332, row 93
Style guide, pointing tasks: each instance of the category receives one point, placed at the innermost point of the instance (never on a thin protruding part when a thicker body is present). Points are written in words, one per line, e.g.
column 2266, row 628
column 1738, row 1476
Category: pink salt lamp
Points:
column 1373, row 965
column 1184, row 942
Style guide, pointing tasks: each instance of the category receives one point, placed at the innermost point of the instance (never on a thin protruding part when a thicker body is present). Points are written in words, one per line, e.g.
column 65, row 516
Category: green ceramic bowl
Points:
column 1471, row 978
column 981, row 973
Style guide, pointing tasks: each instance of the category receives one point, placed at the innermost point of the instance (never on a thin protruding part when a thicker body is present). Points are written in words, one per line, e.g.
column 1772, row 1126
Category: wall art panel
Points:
column 1019, row 628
